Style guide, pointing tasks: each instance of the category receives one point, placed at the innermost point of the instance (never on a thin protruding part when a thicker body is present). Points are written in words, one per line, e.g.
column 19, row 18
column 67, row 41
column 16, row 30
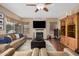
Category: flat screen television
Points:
column 39, row 24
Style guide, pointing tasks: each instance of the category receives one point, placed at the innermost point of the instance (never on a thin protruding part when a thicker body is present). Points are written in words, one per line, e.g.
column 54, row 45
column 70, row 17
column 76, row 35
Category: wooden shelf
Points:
column 71, row 30
column 63, row 30
column 63, row 27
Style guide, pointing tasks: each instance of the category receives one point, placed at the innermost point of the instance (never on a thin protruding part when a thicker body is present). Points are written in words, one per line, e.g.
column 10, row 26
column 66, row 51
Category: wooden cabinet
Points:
column 71, row 37
column 71, row 43
column 66, row 41
column 63, row 27
column 71, row 20
column 62, row 39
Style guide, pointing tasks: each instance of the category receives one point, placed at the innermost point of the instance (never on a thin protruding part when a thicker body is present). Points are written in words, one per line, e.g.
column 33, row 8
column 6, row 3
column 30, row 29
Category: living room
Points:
column 45, row 22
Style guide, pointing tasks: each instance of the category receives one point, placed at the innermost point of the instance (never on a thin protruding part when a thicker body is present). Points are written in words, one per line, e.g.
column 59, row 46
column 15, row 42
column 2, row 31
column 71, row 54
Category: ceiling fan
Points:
column 40, row 6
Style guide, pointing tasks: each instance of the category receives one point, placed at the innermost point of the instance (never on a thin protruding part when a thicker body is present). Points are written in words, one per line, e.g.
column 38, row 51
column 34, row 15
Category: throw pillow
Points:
column 13, row 36
column 17, row 36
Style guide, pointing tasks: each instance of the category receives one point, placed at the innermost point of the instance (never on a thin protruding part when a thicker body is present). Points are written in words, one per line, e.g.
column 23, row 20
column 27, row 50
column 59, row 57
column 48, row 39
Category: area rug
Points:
column 27, row 46
column 49, row 46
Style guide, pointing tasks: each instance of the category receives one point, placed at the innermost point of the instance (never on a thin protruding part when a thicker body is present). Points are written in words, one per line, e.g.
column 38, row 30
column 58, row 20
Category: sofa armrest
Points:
column 70, row 52
column 23, row 53
column 15, row 44
column 55, row 53
column 8, row 52
column 4, row 47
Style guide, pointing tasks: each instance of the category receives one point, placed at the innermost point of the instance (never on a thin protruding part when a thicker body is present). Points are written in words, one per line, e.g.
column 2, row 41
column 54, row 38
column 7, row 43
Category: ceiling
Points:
column 56, row 10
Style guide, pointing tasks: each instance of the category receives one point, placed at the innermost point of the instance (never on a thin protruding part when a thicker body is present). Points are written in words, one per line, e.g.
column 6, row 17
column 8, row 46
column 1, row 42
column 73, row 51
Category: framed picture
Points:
column 1, row 21
column 1, row 15
column 1, row 27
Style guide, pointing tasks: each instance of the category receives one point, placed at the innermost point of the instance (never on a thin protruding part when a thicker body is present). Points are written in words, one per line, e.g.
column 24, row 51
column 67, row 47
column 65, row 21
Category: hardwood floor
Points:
column 57, row 45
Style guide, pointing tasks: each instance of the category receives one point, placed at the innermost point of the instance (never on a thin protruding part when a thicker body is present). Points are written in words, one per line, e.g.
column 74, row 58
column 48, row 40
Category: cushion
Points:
column 22, row 53
column 8, row 52
column 13, row 36
column 5, row 40
column 35, row 52
column 17, row 36
column 4, row 47
column 43, row 52
column 9, row 37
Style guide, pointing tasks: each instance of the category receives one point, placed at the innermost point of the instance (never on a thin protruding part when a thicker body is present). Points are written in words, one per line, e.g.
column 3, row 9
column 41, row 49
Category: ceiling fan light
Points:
column 45, row 9
column 40, row 6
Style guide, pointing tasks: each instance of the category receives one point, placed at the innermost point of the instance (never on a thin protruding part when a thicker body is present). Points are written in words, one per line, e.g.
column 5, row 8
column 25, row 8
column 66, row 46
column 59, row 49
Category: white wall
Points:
column 57, row 21
column 7, row 13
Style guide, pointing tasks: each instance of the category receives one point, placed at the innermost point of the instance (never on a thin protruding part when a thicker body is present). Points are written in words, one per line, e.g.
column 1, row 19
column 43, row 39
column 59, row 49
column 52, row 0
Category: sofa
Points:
column 16, row 41
column 8, row 52
column 66, row 52
column 4, row 47
column 38, row 52
column 12, row 52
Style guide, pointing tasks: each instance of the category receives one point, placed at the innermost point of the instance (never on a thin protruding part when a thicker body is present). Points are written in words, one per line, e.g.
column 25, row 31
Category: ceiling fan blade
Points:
column 45, row 9
column 36, row 10
column 30, row 4
column 47, row 3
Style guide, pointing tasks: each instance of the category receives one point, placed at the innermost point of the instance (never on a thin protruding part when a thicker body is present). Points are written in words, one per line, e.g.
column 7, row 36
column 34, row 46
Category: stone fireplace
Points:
column 38, row 41
column 39, row 32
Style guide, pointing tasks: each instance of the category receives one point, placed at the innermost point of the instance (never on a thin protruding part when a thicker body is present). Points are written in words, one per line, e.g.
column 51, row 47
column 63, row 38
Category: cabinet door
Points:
column 72, row 44
column 62, row 39
column 66, row 41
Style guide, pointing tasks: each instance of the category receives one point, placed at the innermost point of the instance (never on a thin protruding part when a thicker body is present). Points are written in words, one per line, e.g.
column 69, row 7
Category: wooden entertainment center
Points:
column 70, row 31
